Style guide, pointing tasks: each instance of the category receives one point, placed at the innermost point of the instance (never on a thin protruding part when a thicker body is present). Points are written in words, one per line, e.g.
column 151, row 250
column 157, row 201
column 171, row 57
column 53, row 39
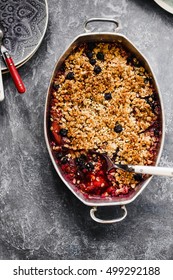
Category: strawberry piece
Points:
column 55, row 127
column 55, row 130
column 57, row 137
column 99, row 182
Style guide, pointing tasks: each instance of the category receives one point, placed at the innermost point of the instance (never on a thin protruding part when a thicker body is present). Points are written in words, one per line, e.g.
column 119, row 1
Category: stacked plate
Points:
column 24, row 24
column 166, row 5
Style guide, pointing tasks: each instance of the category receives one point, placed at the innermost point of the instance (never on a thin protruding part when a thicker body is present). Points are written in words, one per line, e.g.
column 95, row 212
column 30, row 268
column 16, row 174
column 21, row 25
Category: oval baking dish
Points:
column 93, row 71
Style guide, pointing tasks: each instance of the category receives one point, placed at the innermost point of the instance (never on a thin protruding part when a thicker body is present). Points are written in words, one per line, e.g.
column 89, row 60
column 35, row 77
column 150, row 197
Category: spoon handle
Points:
column 13, row 71
column 153, row 170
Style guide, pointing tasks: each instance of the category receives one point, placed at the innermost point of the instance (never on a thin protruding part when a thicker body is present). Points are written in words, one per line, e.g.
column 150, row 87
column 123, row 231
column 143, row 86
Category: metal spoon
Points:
column 151, row 170
column 10, row 64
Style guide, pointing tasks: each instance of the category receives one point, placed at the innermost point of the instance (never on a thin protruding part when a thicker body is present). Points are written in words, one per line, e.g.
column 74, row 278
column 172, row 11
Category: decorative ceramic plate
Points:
column 166, row 5
column 24, row 24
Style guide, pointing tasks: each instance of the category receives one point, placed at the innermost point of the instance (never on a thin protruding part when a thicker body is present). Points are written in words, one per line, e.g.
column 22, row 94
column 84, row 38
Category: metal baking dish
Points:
column 106, row 37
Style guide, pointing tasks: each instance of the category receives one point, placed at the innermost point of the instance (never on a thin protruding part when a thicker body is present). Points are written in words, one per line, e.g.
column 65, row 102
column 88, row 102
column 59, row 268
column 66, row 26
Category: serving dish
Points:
column 166, row 5
column 24, row 24
column 111, row 38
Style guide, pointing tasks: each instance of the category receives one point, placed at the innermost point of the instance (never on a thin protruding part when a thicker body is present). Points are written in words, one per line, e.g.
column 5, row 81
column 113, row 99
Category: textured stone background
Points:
column 39, row 217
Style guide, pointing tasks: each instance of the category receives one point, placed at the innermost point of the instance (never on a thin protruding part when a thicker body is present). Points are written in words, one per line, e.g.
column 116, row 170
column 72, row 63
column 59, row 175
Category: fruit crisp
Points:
column 103, row 100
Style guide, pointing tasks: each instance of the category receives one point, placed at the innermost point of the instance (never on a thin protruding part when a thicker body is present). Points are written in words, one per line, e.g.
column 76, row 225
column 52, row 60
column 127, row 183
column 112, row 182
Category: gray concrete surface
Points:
column 39, row 217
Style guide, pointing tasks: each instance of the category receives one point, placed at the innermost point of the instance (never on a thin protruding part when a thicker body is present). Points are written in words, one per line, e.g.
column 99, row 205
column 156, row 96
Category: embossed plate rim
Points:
column 24, row 60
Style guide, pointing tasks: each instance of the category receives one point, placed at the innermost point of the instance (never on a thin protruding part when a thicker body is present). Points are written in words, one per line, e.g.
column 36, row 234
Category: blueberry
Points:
column 95, row 157
column 70, row 76
column 100, row 56
column 89, row 54
column 91, row 46
column 156, row 132
column 62, row 68
column 80, row 162
column 108, row 96
column 118, row 128
column 63, row 132
column 92, row 61
column 97, row 69
column 64, row 160
column 133, row 61
column 65, row 149
column 136, row 62
column 81, row 165
column 147, row 99
column 138, row 177
column 151, row 103
column 115, row 154
column 129, row 59
column 154, row 96
column 153, row 107
column 59, row 155
column 55, row 86
column 83, row 157
column 147, row 80
column 89, row 166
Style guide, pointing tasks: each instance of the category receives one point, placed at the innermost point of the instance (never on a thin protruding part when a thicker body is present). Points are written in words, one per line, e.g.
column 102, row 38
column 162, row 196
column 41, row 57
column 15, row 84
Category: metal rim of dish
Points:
column 23, row 61
column 83, row 38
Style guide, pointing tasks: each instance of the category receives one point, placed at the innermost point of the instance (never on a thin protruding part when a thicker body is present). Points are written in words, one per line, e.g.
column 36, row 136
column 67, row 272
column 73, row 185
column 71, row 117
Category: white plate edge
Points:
column 164, row 6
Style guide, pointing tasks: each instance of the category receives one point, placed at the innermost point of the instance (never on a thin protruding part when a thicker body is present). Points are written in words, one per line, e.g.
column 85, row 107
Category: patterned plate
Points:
column 166, row 5
column 24, row 23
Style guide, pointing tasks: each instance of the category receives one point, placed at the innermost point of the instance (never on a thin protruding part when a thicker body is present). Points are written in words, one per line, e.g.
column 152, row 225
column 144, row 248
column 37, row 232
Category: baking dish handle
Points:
column 101, row 20
column 94, row 209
